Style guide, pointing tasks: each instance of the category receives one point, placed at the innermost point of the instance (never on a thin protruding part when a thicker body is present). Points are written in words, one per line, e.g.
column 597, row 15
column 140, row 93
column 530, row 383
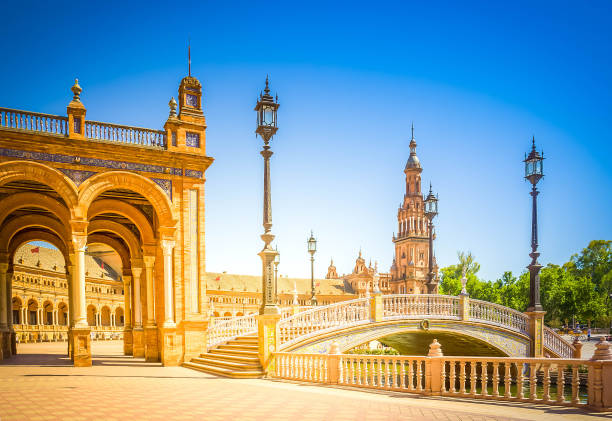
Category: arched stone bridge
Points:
column 354, row 322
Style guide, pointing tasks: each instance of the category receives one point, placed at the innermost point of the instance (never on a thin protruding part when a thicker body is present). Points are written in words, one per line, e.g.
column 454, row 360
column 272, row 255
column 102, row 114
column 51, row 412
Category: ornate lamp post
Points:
column 431, row 210
column 533, row 173
column 266, row 109
column 312, row 249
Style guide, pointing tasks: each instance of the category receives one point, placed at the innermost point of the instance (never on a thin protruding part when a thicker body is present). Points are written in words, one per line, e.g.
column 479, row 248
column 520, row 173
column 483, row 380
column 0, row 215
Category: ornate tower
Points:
column 331, row 271
column 409, row 269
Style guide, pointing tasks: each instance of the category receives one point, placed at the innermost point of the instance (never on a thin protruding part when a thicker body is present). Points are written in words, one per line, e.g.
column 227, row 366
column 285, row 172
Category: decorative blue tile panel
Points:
column 193, row 173
column 97, row 162
column 192, row 139
column 166, row 186
column 78, row 176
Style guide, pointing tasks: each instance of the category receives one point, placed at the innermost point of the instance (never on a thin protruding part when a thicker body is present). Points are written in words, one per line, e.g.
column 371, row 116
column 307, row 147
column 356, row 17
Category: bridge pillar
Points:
column 600, row 377
column 376, row 307
column 433, row 369
column 536, row 332
column 577, row 348
column 333, row 364
column 267, row 329
column 464, row 307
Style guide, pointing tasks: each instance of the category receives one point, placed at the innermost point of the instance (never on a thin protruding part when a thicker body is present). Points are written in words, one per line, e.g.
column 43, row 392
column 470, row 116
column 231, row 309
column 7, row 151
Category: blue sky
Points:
column 478, row 79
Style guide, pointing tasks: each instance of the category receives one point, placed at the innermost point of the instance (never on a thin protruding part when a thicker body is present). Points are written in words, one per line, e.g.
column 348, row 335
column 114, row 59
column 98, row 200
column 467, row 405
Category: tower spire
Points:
column 189, row 56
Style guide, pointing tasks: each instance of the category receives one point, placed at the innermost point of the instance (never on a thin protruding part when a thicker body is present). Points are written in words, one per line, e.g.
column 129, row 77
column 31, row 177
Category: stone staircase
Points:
column 237, row 358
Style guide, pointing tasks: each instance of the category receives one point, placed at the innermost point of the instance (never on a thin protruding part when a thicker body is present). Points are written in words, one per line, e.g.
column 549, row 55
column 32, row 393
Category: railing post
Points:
column 577, row 348
column 600, row 377
column 536, row 332
column 333, row 364
column 76, row 114
column 376, row 307
column 464, row 306
column 434, row 364
column 268, row 338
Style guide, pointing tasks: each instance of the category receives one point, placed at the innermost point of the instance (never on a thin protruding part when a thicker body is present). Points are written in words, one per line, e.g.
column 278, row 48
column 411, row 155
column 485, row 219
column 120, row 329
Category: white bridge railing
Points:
column 294, row 328
column 557, row 344
column 408, row 306
column 326, row 318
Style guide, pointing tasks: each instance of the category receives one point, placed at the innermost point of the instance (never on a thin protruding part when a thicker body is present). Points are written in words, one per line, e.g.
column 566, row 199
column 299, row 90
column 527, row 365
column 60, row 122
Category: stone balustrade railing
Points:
column 483, row 311
column 36, row 122
column 547, row 381
column 125, row 134
column 94, row 130
column 557, row 344
column 319, row 319
column 405, row 306
column 225, row 330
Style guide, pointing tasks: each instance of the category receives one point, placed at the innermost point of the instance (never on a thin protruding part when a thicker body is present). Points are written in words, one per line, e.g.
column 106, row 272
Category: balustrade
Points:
column 403, row 306
column 125, row 134
column 225, row 330
column 482, row 311
column 37, row 122
column 319, row 319
column 547, row 381
column 557, row 344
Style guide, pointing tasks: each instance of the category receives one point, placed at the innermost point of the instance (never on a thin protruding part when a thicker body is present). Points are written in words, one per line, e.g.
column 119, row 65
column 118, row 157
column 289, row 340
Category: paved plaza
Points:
column 41, row 384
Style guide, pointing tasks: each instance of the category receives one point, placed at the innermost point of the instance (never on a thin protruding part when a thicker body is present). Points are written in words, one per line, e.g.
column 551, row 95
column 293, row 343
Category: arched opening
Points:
column 239, row 314
column 48, row 313
column 227, row 314
column 62, row 314
column 32, row 312
column 119, row 317
column 216, row 314
column 17, row 311
column 91, row 315
column 453, row 344
column 105, row 316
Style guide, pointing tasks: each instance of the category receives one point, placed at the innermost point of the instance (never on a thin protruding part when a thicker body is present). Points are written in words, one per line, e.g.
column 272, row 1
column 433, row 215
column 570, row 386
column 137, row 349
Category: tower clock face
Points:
column 192, row 100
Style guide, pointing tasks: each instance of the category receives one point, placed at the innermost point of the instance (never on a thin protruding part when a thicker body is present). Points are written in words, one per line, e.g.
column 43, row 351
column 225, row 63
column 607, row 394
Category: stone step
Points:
column 233, row 365
column 239, row 347
column 239, row 341
column 247, row 359
column 226, row 372
column 245, row 353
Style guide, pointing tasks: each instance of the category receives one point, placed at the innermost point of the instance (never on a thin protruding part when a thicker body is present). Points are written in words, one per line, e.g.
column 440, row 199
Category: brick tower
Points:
column 409, row 269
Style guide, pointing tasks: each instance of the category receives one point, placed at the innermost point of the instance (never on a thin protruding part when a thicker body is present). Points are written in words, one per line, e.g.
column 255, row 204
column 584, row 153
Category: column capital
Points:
column 167, row 245
column 79, row 241
column 4, row 267
column 149, row 261
column 136, row 271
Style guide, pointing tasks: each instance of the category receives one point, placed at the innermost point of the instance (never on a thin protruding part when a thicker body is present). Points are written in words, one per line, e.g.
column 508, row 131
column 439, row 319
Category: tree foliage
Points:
column 581, row 288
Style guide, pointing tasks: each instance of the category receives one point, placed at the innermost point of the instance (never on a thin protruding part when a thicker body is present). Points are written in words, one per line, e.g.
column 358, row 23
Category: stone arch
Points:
column 124, row 209
column 94, row 186
column 117, row 246
column 24, row 237
column 62, row 314
column 47, row 308
column 16, row 308
column 22, row 222
column 119, row 317
column 121, row 230
column 91, row 314
column 34, row 171
column 32, row 311
column 31, row 199
column 105, row 316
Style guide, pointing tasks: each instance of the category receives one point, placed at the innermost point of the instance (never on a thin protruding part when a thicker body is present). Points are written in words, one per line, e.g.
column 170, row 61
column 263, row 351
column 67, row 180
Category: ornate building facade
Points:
column 39, row 305
column 409, row 270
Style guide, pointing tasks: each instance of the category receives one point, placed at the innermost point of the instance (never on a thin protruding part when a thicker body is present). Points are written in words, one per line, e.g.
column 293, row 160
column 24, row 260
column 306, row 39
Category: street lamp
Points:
column 312, row 249
column 266, row 128
column 533, row 173
column 431, row 210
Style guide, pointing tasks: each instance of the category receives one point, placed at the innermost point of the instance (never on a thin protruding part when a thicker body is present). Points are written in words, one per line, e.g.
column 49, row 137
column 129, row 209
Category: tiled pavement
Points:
column 40, row 384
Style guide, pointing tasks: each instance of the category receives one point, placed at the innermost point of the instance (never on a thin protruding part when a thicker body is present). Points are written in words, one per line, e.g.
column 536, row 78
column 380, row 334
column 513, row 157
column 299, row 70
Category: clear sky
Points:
column 478, row 79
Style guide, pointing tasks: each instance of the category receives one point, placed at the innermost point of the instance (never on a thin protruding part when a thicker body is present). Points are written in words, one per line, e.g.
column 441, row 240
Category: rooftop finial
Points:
column 267, row 89
column 533, row 142
column 189, row 55
column 76, row 90
column 412, row 128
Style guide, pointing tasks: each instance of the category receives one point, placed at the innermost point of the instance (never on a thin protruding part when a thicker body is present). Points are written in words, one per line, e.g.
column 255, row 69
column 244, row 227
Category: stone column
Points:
column 167, row 247
column 536, row 332
column 81, row 339
column 464, row 306
column 5, row 351
column 267, row 329
column 70, row 274
column 137, row 332
column 128, row 341
column 9, row 303
column 150, row 328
